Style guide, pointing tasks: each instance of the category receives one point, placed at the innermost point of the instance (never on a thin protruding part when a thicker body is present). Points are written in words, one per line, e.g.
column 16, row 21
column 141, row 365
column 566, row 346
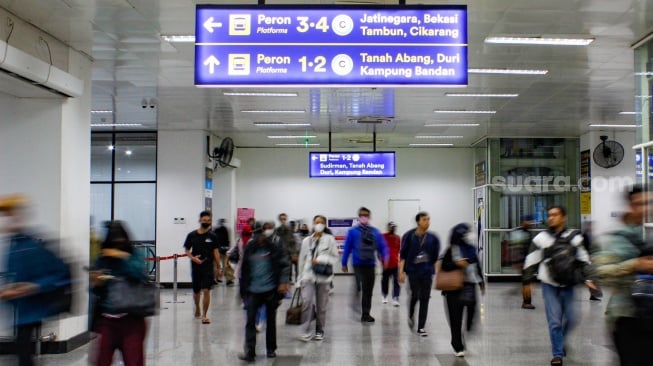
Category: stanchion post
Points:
column 174, row 279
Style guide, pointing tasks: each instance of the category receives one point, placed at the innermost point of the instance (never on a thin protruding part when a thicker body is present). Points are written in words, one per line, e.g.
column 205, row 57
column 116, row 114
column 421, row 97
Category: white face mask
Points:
column 268, row 233
column 470, row 238
column 319, row 228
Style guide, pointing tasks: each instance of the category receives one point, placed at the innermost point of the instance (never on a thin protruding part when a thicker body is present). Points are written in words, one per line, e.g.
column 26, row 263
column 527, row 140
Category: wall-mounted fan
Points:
column 608, row 153
column 223, row 154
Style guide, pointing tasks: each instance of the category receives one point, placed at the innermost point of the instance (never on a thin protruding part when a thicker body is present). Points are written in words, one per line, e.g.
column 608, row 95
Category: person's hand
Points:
column 220, row 272
column 195, row 260
column 345, row 269
column 402, row 277
column 591, row 285
column 645, row 264
column 18, row 290
column 482, row 286
column 283, row 288
column 314, row 262
column 115, row 253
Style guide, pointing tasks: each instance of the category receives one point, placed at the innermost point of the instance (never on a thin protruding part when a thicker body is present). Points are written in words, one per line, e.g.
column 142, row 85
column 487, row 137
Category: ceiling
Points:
column 148, row 81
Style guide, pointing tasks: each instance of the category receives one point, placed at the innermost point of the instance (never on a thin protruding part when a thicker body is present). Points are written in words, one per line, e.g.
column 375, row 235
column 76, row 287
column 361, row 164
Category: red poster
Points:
column 242, row 216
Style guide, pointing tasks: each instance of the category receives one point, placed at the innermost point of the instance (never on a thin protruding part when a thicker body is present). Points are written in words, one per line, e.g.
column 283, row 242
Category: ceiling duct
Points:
column 27, row 68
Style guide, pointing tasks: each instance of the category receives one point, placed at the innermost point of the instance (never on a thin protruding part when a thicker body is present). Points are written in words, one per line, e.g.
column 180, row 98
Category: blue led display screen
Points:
column 351, row 164
column 372, row 46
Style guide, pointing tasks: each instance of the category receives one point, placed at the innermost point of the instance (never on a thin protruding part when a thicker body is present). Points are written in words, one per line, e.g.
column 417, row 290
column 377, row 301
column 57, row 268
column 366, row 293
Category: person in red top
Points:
column 246, row 233
column 390, row 268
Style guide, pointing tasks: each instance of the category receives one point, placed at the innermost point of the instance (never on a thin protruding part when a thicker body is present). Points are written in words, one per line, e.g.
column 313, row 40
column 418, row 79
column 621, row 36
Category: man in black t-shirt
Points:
column 202, row 249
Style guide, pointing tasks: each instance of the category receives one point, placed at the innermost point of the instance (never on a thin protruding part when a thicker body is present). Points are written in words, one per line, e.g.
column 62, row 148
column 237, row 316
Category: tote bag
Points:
column 294, row 312
column 448, row 280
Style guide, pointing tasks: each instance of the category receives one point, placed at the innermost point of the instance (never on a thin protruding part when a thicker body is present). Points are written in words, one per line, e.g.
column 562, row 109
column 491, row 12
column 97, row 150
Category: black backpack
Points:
column 367, row 245
column 563, row 266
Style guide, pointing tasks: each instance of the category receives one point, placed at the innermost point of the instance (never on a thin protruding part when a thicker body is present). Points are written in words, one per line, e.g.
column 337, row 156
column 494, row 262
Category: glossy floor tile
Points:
column 505, row 334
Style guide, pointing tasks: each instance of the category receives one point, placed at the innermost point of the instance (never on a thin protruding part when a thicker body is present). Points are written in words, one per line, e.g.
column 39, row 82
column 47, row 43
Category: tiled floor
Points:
column 505, row 335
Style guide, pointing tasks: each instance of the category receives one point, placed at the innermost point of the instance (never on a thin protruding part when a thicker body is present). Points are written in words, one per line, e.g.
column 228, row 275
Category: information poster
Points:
column 208, row 189
column 326, row 46
column 242, row 215
column 585, row 171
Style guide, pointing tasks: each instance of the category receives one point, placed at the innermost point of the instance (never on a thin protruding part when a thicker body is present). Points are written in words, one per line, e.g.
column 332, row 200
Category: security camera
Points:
column 144, row 103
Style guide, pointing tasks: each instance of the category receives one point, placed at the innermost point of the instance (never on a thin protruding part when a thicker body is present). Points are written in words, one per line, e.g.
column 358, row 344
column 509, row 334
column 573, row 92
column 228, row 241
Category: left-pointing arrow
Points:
column 210, row 24
column 211, row 62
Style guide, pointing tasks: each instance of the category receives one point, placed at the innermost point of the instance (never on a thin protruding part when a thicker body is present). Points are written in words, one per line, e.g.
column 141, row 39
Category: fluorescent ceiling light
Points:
column 128, row 152
column 273, row 111
column 627, row 112
column 482, row 95
column 280, row 124
column 437, row 137
column 110, row 147
column 259, row 94
column 508, row 71
column 298, row 144
column 431, row 144
column 452, row 125
column 646, row 73
column 99, row 111
column 293, row 137
column 613, row 126
column 178, row 38
column 115, row 124
column 540, row 41
column 463, row 111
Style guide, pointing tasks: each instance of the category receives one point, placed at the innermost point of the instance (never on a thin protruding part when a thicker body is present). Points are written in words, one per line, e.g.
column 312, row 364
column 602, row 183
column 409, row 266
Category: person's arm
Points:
column 301, row 259
column 333, row 251
column 218, row 263
column 284, row 271
column 532, row 260
column 610, row 263
column 403, row 254
column 382, row 247
column 349, row 242
column 188, row 245
column 457, row 257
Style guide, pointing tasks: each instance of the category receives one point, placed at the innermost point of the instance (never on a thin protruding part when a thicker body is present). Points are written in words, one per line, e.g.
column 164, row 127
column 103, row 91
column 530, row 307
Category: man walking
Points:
column 391, row 266
column 202, row 248
column 519, row 241
column 561, row 261
column 287, row 237
column 222, row 235
column 419, row 252
column 363, row 242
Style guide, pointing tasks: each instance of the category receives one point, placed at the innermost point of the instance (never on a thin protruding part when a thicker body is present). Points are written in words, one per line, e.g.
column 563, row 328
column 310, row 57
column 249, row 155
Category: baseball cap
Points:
column 392, row 224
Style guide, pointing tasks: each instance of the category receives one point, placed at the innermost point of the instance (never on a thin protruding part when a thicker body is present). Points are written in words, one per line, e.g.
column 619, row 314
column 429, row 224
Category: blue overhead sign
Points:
column 308, row 46
column 351, row 164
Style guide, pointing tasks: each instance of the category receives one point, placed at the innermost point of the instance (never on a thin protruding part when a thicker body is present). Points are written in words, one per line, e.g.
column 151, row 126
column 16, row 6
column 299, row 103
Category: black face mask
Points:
column 205, row 225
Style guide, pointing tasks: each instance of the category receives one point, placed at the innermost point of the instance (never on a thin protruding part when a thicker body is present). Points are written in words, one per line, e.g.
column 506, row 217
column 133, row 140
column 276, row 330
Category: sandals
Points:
column 556, row 361
column 206, row 321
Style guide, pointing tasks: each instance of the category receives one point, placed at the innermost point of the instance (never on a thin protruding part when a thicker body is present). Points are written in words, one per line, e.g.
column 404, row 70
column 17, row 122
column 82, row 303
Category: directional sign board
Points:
column 351, row 164
column 330, row 46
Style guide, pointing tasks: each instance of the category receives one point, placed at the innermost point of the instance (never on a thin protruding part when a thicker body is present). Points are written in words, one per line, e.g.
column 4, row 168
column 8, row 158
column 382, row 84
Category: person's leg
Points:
column 414, row 295
column 568, row 309
column 384, row 283
column 308, row 303
column 424, row 284
column 322, row 299
column 197, row 291
column 553, row 310
column 455, row 312
column 367, row 289
column 107, row 341
column 271, row 303
column 24, row 343
column 228, row 270
column 206, row 293
column 133, row 338
column 625, row 340
column 395, row 283
column 253, row 303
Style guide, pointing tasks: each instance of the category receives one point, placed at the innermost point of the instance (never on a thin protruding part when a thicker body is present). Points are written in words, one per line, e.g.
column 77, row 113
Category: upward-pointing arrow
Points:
column 209, row 25
column 211, row 62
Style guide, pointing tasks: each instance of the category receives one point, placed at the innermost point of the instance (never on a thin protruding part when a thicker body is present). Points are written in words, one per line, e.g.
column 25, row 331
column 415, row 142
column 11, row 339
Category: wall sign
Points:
column 326, row 46
column 351, row 164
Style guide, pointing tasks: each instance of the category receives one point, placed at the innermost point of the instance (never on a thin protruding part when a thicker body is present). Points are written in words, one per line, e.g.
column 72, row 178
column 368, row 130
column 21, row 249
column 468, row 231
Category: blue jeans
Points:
column 559, row 308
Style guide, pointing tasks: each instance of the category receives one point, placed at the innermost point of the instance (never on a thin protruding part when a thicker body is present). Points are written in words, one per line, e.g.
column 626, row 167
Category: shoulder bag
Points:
column 133, row 297
column 448, row 280
column 294, row 312
column 322, row 269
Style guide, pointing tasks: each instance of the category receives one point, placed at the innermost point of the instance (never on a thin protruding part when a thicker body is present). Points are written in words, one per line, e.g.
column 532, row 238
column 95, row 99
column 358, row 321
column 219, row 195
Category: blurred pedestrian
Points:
column 391, row 268
column 519, row 241
column 287, row 237
column 222, row 234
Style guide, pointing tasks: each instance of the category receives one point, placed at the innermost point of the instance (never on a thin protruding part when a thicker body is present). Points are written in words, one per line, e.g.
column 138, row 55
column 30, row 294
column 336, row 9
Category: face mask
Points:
column 206, row 225
column 319, row 228
column 364, row 220
column 268, row 233
column 470, row 238
column 304, row 231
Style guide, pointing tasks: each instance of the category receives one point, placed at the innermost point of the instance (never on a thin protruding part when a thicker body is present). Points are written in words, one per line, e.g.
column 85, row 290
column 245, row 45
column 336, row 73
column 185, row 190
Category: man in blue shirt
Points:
column 363, row 242
column 419, row 252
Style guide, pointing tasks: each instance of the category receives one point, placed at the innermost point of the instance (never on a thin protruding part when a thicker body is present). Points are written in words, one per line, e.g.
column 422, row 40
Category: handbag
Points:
column 448, row 280
column 133, row 297
column 294, row 312
column 323, row 269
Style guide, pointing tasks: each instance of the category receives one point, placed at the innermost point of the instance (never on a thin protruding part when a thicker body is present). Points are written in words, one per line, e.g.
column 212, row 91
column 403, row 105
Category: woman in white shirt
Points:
column 317, row 258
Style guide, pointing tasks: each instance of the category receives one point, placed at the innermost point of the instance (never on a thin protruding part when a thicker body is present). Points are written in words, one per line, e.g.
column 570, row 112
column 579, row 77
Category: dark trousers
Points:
column 385, row 279
column 24, row 348
column 126, row 334
column 633, row 337
column 365, row 279
column 455, row 310
column 420, row 290
column 254, row 301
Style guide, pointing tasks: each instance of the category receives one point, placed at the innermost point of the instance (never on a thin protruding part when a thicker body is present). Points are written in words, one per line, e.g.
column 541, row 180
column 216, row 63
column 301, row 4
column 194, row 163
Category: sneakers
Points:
column 230, row 283
column 259, row 327
column 411, row 322
column 527, row 306
column 384, row 300
column 247, row 357
column 395, row 301
column 367, row 319
column 459, row 353
column 556, row 361
column 594, row 298
column 306, row 337
column 271, row 354
column 422, row 333
column 319, row 336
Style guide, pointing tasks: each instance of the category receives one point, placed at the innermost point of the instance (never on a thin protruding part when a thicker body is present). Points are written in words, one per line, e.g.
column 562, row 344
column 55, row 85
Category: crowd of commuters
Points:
column 268, row 259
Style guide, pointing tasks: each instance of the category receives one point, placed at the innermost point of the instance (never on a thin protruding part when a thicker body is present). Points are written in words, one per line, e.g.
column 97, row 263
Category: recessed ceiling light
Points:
column 613, row 126
column 482, row 95
column 293, row 137
column 116, row 124
column 430, row 144
column 629, row 112
column 178, row 38
column 128, row 152
column 280, row 124
column 508, row 71
column 297, row 144
column 259, row 94
column 452, row 125
column 273, row 111
column 110, row 147
column 550, row 41
column 463, row 111
column 100, row 111
column 437, row 137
